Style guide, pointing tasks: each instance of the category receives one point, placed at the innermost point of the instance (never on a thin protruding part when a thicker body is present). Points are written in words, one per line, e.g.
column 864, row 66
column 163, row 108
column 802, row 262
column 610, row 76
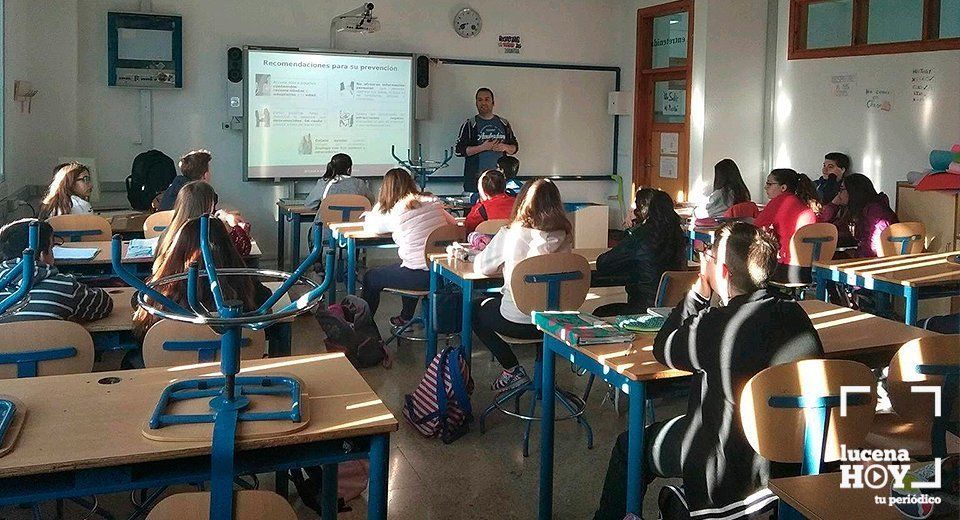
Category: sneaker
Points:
column 510, row 379
column 398, row 321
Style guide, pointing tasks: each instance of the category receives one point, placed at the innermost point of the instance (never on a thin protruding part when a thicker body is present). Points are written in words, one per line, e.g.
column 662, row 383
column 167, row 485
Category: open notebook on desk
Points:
column 75, row 253
column 142, row 247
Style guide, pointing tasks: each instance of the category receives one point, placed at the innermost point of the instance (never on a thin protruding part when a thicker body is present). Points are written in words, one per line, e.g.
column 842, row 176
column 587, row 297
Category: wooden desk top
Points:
column 464, row 269
column 296, row 206
column 121, row 319
column 103, row 255
column 819, row 497
column 843, row 332
column 918, row 270
column 74, row 422
column 355, row 230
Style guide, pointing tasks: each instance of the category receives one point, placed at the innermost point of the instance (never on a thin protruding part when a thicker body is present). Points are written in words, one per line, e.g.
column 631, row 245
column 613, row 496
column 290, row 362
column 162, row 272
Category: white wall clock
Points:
column 467, row 23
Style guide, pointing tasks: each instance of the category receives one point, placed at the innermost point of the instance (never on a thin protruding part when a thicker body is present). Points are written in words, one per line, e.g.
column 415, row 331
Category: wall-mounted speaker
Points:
column 235, row 64
column 423, row 71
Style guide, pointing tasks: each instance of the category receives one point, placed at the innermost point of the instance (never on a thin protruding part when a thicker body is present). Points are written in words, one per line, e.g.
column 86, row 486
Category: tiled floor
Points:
column 480, row 476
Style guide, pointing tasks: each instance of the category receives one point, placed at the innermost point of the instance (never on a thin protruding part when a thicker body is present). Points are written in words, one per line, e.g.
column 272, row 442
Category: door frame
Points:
column 643, row 95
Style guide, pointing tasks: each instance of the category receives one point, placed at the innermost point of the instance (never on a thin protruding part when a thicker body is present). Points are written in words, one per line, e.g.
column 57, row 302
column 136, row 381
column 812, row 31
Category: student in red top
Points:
column 793, row 204
column 494, row 202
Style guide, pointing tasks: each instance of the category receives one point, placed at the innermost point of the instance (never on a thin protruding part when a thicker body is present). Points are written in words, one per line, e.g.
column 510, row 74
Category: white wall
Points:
column 567, row 31
column 810, row 121
column 40, row 46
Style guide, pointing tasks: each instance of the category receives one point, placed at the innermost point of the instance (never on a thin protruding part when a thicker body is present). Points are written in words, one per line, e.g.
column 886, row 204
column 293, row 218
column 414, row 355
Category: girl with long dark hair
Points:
column 653, row 245
column 728, row 190
column 793, row 204
column 336, row 180
column 860, row 214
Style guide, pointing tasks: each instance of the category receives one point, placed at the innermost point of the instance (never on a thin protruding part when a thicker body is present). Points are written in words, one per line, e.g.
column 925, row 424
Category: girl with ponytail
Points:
column 793, row 204
column 337, row 180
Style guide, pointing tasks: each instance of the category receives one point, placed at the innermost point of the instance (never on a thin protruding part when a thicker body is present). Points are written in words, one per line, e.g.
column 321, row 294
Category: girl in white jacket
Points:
column 538, row 226
column 412, row 217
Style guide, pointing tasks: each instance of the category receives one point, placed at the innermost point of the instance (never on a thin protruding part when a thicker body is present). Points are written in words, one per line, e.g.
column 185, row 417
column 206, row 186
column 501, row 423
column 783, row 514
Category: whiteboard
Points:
column 559, row 115
column 886, row 111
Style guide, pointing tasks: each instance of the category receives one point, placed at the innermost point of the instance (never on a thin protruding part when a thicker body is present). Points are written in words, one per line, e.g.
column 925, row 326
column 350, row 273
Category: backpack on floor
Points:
column 151, row 174
column 349, row 329
column 440, row 406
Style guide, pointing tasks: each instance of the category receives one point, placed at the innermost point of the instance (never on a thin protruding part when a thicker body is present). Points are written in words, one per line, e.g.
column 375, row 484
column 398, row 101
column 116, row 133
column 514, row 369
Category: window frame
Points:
column 930, row 36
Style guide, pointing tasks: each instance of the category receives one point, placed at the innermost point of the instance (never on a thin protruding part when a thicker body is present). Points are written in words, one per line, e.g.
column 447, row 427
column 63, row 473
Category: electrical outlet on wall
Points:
column 226, row 125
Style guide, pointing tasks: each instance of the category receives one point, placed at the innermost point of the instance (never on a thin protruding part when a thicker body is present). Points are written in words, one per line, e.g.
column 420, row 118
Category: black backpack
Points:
column 151, row 174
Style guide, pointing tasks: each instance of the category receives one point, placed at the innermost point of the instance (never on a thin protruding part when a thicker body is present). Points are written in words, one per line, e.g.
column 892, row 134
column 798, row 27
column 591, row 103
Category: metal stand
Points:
column 228, row 395
column 420, row 167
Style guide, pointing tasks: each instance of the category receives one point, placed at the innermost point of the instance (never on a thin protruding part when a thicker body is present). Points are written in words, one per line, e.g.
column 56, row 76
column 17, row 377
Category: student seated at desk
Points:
column 538, row 226
column 198, row 198
column 653, row 245
column 723, row 347
column 336, row 180
column 835, row 166
column 53, row 296
column 510, row 167
column 860, row 214
column 494, row 202
column 411, row 218
column 397, row 184
column 194, row 166
column 728, row 191
column 793, row 204
column 69, row 193
column 183, row 251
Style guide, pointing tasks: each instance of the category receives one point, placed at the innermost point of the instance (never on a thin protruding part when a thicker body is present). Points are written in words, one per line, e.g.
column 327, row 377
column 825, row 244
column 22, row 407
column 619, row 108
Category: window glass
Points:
column 895, row 21
column 950, row 18
column 670, row 103
column 830, row 24
column 670, row 40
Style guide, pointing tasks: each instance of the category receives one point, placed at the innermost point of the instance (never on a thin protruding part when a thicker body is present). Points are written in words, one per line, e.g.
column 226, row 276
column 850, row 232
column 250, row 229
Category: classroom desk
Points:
column 115, row 332
column 296, row 213
column 845, row 334
column 444, row 269
column 819, row 497
column 104, row 451
column 924, row 275
column 103, row 255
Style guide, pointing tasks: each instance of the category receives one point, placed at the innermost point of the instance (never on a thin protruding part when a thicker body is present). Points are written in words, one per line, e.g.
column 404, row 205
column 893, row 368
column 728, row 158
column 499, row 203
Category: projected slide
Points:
column 301, row 108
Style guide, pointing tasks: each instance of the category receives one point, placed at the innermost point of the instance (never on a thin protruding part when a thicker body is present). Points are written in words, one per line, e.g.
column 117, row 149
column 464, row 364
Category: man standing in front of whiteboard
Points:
column 483, row 139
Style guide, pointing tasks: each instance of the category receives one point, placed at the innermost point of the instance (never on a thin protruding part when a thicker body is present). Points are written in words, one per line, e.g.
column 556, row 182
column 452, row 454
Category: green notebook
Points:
column 640, row 322
column 576, row 328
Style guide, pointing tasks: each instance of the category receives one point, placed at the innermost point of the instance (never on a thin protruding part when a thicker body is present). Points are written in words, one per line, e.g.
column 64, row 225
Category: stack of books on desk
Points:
column 579, row 328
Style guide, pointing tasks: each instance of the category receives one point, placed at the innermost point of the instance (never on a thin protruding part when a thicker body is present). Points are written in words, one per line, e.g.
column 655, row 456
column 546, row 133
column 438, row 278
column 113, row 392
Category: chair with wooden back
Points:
column 492, row 227
column 915, row 370
column 81, row 228
column 811, row 243
column 248, row 504
column 674, row 286
column 44, row 348
column 157, row 223
column 551, row 282
column 793, row 413
column 171, row 343
column 437, row 242
column 904, row 238
column 342, row 207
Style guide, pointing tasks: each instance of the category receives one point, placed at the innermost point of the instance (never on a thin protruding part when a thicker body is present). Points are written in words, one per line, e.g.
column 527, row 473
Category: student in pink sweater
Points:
column 412, row 218
column 793, row 204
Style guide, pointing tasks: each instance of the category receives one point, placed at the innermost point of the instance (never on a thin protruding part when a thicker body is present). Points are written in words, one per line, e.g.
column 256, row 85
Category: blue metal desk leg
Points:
column 912, row 300
column 786, row 512
column 351, row 266
column 428, row 327
column 379, row 464
column 466, row 326
column 281, row 344
column 281, row 227
column 547, row 406
column 821, row 280
column 295, row 240
column 328, row 504
column 635, row 455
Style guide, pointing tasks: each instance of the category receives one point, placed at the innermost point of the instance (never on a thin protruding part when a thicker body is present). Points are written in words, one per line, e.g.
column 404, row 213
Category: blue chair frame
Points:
column 905, row 242
column 572, row 403
column 948, row 397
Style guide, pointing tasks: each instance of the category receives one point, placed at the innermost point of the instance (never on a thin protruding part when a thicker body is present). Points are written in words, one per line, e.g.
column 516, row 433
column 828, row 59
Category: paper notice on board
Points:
column 509, row 43
column 842, row 85
column 669, row 143
column 669, row 165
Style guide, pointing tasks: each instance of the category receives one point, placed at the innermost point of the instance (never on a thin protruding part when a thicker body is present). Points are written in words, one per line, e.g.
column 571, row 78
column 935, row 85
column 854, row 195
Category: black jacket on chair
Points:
column 639, row 263
column 724, row 347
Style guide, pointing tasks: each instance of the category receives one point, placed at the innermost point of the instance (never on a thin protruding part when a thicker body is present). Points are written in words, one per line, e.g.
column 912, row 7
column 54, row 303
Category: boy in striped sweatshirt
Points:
column 53, row 296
